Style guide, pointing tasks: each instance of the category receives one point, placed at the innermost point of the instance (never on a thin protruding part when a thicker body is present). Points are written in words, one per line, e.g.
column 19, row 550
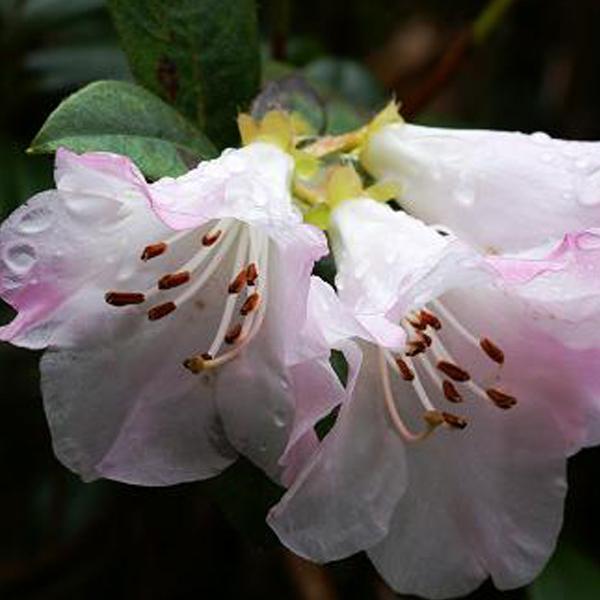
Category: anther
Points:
column 173, row 280
column 430, row 319
column 433, row 418
column 492, row 350
column 208, row 239
column 251, row 274
column 417, row 323
column 251, row 303
column 405, row 371
column 153, row 250
column 161, row 310
column 454, row 421
column 423, row 337
column 450, row 392
column 415, row 347
column 233, row 334
column 123, row 298
column 500, row 399
column 453, row 371
column 237, row 285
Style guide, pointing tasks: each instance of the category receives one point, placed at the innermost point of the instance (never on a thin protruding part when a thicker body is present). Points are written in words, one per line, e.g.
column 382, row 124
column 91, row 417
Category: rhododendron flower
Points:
column 171, row 312
column 448, row 461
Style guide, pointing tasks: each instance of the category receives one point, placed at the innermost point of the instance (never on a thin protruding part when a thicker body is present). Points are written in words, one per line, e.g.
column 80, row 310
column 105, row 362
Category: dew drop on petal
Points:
column 19, row 257
column 36, row 220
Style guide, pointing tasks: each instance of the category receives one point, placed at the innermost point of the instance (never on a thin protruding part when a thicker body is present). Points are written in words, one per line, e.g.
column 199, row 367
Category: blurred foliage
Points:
column 64, row 539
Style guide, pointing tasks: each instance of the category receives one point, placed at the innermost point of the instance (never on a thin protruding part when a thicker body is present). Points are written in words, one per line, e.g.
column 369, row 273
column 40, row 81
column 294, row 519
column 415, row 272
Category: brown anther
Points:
column 237, row 285
column 233, row 334
column 417, row 324
column 123, row 298
column 423, row 337
column 251, row 274
column 251, row 303
column 500, row 399
column 161, row 310
column 415, row 347
column 453, row 371
column 450, row 392
column 405, row 371
column 173, row 280
column 430, row 319
column 197, row 363
column 208, row 239
column 454, row 421
column 153, row 250
column 492, row 350
column 433, row 418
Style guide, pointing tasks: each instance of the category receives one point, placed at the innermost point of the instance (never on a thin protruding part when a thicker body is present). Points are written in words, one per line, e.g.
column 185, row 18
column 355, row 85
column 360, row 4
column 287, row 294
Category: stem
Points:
column 280, row 25
column 456, row 56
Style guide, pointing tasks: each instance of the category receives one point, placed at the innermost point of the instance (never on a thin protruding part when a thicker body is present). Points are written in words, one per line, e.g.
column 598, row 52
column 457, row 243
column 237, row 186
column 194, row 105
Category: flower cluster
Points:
column 183, row 325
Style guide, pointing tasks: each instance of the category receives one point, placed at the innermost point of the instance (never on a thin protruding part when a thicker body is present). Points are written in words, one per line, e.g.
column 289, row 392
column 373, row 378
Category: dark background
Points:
column 60, row 538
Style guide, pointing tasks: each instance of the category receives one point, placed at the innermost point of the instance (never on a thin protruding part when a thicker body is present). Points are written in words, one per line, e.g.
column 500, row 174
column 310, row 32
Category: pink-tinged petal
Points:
column 251, row 184
column 487, row 499
column 390, row 263
column 497, row 190
column 118, row 400
column 82, row 237
column 343, row 499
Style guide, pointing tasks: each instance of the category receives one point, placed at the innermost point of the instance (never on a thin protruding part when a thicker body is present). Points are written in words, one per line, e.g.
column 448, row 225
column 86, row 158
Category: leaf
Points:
column 200, row 55
column 123, row 118
column 570, row 574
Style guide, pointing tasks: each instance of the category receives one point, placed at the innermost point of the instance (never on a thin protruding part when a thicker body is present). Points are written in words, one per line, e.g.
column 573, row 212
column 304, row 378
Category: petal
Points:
column 497, row 190
column 389, row 262
column 87, row 234
column 251, row 184
column 261, row 388
column 118, row 400
column 343, row 499
column 486, row 500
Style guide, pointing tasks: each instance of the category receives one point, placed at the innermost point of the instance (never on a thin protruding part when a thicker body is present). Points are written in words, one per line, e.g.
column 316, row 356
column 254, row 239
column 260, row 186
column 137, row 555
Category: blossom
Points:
column 170, row 312
column 448, row 461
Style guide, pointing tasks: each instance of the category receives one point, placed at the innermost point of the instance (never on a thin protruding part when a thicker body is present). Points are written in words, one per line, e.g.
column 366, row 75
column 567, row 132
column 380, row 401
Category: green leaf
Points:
column 121, row 117
column 569, row 575
column 202, row 56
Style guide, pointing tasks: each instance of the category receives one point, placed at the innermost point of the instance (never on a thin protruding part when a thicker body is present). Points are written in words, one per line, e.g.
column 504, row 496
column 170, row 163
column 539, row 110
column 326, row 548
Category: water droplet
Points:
column 98, row 209
column 546, row 157
column 36, row 220
column 581, row 164
column 20, row 257
column 540, row 136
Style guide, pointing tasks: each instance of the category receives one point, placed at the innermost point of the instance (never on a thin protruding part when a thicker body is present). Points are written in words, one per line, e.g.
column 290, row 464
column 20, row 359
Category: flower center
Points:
column 244, row 297
column 425, row 358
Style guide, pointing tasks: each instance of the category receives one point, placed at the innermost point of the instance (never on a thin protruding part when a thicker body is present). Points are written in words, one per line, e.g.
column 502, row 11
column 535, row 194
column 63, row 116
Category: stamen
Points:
column 233, row 334
column 124, row 298
column 251, row 274
column 405, row 433
column 492, row 350
column 153, row 250
column 405, row 371
column 454, row 421
column 415, row 347
column 198, row 363
column 423, row 337
column 450, row 392
column 417, row 323
column 500, row 399
column 251, row 303
column 172, row 280
column 453, row 371
column 160, row 311
column 430, row 319
column 208, row 239
column 237, row 285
